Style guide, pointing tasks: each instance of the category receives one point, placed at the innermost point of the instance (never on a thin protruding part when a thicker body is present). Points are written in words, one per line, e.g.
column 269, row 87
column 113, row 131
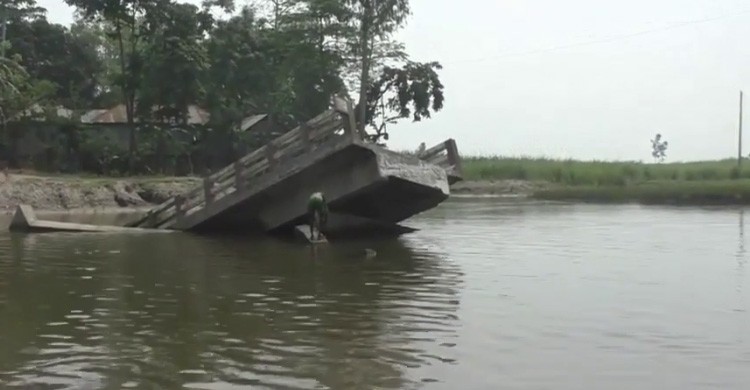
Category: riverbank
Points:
column 88, row 194
column 699, row 183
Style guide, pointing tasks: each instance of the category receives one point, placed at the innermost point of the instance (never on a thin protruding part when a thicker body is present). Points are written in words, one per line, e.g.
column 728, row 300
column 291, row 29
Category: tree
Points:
column 403, row 92
column 265, row 65
column 52, row 52
column 375, row 21
column 15, row 9
column 388, row 83
column 19, row 93
column 659, row 148
column 174, row 75
column 20, row 96
column 123, row 16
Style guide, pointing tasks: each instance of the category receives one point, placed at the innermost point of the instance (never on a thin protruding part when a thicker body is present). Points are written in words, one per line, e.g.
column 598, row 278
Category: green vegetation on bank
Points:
column 597, row 173
column 703, row 182
column 713, row 192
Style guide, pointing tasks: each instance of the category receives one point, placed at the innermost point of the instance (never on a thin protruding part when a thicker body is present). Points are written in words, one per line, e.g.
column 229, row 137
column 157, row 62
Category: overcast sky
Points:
column 589, row 79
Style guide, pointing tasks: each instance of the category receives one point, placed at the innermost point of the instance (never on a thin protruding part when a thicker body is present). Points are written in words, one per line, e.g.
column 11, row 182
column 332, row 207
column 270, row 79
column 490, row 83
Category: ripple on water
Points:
column 198, row 313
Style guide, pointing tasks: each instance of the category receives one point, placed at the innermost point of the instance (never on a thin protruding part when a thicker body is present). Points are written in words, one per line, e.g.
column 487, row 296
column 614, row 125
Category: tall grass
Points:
column 597, row 173
column 721, row 192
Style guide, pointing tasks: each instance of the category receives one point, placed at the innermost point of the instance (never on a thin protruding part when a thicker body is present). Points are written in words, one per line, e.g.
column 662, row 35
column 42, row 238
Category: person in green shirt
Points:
column 317, row 209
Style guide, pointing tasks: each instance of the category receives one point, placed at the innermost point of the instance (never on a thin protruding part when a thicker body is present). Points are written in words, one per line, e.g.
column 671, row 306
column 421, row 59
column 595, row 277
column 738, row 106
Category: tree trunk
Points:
column 364, row 39
column 131, row 96
column 126, row 95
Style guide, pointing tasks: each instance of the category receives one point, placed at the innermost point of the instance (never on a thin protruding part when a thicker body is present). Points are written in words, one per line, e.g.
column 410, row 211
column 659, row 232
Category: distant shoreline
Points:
column 695, row 183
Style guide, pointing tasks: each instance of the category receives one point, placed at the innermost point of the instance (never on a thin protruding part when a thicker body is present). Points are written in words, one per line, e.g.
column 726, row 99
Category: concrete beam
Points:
column 25, row 220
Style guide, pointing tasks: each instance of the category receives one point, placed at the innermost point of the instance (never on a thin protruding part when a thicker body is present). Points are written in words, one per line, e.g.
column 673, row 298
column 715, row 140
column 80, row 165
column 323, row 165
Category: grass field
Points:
column 597, row 173
column 721, row 192
column 705, row 182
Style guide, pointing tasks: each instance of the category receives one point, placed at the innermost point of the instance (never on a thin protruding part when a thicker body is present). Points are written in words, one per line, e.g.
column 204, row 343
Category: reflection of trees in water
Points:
column 237, row 311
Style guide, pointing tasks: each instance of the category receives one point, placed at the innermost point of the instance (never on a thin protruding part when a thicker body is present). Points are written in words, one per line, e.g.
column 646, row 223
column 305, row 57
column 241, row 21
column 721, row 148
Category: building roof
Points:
column 250, row 121
column 118, row 114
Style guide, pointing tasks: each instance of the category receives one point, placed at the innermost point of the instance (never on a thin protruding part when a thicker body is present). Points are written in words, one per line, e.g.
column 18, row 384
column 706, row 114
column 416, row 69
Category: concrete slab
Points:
column 267, row 190
column 25, row 220
column 303, row 231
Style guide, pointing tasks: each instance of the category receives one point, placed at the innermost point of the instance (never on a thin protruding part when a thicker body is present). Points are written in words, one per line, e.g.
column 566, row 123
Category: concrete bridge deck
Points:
column 267, row 190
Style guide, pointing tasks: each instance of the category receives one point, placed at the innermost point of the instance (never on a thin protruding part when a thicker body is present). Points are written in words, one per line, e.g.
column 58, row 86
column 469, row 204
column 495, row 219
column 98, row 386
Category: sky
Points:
column 585, row 79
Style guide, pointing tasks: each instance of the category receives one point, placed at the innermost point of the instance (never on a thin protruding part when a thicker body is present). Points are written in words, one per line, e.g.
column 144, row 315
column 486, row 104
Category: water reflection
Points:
column 741, row 250
column 140, row 311
column 489, row 294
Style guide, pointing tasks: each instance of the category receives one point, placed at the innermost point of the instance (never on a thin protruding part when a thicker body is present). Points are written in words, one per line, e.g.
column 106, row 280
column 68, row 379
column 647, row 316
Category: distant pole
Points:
column 739, row 147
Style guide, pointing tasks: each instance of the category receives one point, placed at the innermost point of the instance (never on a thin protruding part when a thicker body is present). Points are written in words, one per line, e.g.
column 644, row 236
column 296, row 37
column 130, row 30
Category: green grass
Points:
column 597, row 173
column 703, row 183
column 720, row 192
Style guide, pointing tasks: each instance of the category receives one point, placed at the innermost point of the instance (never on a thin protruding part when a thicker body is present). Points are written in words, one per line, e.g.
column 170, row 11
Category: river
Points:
column 489, row 294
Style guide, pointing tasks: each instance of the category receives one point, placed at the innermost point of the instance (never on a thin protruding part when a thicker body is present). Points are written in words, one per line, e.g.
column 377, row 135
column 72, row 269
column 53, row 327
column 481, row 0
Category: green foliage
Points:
column 284, row 58
column 19, row 93
column 716, row 192
column 177, row 57
column 597, row 173
column 54, row 53
column 399, row 93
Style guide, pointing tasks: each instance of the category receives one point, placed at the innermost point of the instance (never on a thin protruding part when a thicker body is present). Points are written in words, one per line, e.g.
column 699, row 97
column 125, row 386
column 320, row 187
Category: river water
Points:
column 490, row 294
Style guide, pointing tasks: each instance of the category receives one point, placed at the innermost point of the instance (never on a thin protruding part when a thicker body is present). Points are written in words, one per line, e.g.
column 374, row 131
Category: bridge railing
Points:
column 335, row 122
column 445, row 155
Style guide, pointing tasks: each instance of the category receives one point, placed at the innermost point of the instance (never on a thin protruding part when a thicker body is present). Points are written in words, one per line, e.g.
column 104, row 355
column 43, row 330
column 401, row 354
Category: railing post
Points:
column 345, row 109
column 453, row 158
column 271, row 154
column 179, row 203
column 208, row 185
column 353, row 130
column 306, row 136
column 238, row 178
column 151, row 219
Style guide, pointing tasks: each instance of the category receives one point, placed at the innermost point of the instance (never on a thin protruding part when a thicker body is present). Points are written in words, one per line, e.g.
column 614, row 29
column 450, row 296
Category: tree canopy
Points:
column 284, row 58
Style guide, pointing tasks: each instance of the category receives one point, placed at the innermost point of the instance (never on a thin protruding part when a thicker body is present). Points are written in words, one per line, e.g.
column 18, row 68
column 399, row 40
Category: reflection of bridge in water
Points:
column 212, row 312
column 365, row 184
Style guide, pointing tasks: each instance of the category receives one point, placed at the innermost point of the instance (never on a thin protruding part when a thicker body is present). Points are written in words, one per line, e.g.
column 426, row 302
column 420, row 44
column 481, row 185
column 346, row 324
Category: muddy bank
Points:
column 112, row 195
column 88, row 194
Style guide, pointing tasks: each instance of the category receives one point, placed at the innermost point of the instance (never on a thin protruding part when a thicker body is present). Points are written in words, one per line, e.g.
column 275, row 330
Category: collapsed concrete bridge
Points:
column 367, row 186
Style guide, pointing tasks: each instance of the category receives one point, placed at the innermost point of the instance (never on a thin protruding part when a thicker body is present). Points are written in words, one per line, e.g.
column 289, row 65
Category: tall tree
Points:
column 52, row 52
column 372, row 23
column 124, row 17
column 177, row 63
column 15, row 9
column 401, row 92
column 387, row 84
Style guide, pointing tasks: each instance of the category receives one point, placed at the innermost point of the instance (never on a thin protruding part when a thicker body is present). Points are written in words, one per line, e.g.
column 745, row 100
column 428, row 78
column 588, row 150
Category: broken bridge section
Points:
column 366, row 185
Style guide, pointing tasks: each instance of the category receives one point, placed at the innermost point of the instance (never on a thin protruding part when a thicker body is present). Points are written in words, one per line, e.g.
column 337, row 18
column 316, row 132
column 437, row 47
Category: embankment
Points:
column 61, row 193
column 694, row 183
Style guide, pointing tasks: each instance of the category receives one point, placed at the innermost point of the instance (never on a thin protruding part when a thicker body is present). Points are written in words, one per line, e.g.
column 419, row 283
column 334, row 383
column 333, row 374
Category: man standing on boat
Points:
column 317, row 209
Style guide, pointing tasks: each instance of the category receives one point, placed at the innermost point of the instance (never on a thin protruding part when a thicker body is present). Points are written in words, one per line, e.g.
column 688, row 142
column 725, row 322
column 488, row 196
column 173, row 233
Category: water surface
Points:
column 489, row 294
